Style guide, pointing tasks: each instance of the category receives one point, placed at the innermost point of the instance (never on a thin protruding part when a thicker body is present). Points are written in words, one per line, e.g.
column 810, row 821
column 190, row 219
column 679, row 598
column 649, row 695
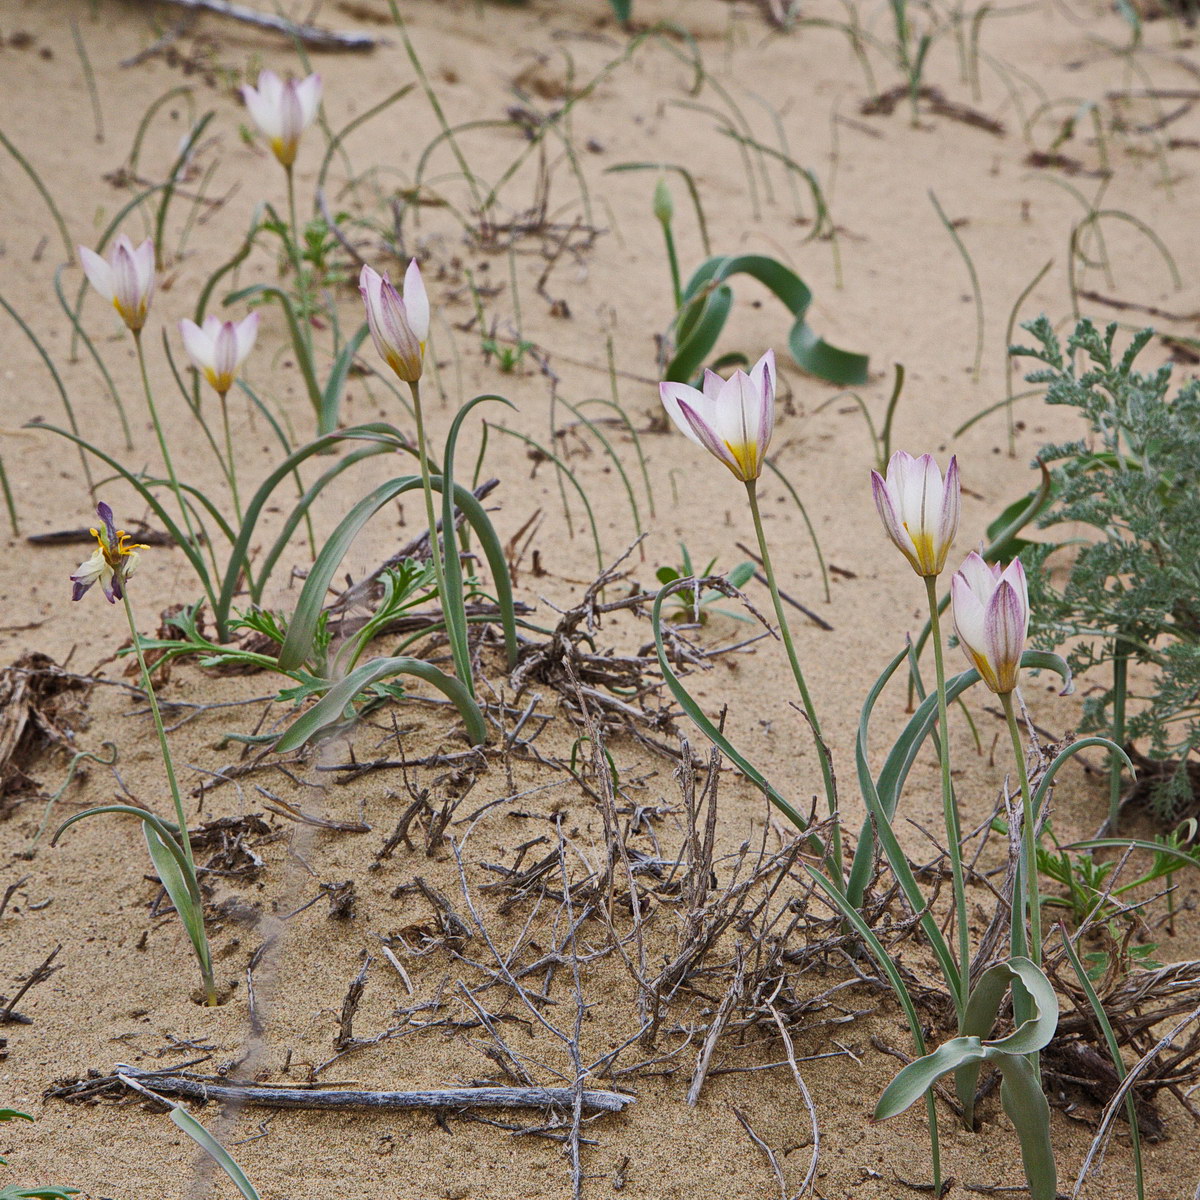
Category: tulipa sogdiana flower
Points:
column 919, row 509
column 733, row 418
column 991, row 618
column 283, row 111
column 125, row 278
column 112, row 562
column 219, row 348
column 399, row 325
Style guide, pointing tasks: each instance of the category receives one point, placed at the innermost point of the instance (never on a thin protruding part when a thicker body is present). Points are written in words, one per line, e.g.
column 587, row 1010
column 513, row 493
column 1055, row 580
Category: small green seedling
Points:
column 686, row 604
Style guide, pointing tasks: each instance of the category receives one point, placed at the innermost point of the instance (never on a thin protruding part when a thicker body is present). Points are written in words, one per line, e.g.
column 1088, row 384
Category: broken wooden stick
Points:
column 340, row 1099
column 310, row 35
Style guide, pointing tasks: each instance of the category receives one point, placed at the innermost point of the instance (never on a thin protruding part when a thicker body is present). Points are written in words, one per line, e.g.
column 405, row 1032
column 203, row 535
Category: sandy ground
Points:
column 891, row 282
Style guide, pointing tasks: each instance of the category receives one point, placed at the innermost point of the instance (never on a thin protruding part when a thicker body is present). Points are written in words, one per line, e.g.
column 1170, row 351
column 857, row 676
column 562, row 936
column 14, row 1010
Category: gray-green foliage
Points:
column 1131, row 592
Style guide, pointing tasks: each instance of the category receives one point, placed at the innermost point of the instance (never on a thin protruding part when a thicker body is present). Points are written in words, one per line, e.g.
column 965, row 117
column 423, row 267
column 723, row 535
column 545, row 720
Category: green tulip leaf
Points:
column 330, row 709
column 213, row 1149
column 707, row 300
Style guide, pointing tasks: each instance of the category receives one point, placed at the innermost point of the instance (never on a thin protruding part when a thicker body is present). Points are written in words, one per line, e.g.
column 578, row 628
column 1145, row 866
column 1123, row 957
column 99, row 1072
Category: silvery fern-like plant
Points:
column 1131, row 592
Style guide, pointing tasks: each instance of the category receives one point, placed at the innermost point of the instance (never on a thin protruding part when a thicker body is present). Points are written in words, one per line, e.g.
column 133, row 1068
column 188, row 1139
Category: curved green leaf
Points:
column 303, row 504
column 239, row 555
column 879, row 819
column 904, row 752
column 1074, row 748
column 1025, row 1103
column 453, row 606
column 914, row 1080
column 693, row 710
column 166, row 830
column 330, row 709
column 706, row 302
column 303, row 625
column 331, row 397
column 182, row 889
column 213, row 1149
column 1031, row 1035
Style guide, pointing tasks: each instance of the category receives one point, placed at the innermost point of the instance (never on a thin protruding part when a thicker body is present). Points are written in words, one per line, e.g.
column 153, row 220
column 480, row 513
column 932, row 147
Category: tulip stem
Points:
column 435, row 545
column 835, row 857
column 162, row 441
column 1029, row 901
column 185, row 841
column 949, row 805
column 230, row 469
column 673, row 262
column 1026, row 899
column 293, row 243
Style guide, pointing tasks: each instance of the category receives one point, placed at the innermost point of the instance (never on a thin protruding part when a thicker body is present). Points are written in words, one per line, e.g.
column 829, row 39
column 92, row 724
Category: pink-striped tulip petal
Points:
column 399, row 325
column 733, row 419
column 991, row 618
column 283, row 111
column 219, row 348
column 125, row 279
column 919, row 509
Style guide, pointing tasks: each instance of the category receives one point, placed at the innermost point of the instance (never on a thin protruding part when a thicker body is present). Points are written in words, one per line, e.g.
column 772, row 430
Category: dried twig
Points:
column 39, row 974
column 266, row 1096
column 310, row 35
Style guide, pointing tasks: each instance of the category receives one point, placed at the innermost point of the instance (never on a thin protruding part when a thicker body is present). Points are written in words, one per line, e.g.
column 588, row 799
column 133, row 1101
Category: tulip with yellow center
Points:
column 125, row 279
column 219, row 348
column 991, row 618
column 399, row 324
column 283, row 111
column 733, row 419
column 919, row 509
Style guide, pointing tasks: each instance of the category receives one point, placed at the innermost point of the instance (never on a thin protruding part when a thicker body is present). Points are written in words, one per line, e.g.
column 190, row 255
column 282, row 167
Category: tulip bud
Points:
column 991, row 618
column 919, row 510
column 399, row 325
column 664, row 205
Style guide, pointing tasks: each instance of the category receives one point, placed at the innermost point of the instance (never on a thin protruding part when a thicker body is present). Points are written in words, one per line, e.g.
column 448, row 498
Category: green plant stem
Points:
column 297, row 264
column 435, row 545
column 1120, row 673
column 950, row 807
column 1027, row 905
column 185, row 841
column 162, row 441
column 673, row 260
column 835, row 856
column 9, row 503
column 230, row 468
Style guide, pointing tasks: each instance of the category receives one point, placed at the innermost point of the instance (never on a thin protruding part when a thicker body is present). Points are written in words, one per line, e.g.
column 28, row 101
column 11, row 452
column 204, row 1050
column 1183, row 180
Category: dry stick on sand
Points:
column 310, row 35
column 8, row 1014
column 1118, row 1099
column 265, row 1096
